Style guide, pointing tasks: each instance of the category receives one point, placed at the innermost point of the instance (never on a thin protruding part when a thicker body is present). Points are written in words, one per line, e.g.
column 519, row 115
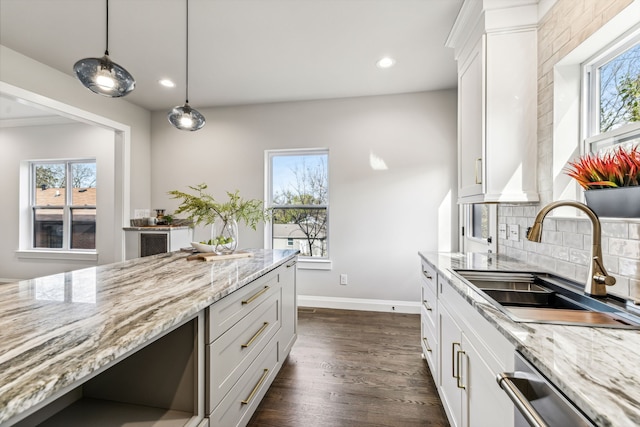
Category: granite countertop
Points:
column 596, row 367
column 55, row 331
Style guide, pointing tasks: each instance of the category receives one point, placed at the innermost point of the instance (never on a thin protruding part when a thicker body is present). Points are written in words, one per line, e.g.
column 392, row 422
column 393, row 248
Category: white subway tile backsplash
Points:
column 573, row 240
column 625, row 248
column 566, row 245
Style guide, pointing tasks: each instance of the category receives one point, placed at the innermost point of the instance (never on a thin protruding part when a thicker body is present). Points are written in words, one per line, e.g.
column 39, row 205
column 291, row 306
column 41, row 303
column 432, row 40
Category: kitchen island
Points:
column 63, row 336
column 595, row 367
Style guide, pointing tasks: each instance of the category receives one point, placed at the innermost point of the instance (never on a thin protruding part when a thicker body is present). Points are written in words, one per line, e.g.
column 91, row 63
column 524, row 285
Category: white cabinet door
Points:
column 450, row 346
column 470, row 128
column 289, row 329
column 486, row 403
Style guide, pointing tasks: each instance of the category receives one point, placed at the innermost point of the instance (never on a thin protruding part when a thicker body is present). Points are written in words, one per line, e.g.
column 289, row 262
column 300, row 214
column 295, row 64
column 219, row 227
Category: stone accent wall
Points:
column 566, row 242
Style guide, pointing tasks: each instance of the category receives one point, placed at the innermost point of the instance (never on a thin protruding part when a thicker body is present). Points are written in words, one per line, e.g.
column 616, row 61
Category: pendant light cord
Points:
column 106, row 51
column 187, row 90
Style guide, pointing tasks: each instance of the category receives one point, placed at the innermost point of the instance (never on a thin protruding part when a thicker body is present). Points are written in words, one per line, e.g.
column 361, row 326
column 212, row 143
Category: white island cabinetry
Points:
column 250, row 334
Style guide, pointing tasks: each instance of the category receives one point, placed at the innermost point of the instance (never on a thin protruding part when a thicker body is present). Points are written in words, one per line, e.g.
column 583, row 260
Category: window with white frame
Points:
column 298, row 194
column 63, row 204
column 611, row 85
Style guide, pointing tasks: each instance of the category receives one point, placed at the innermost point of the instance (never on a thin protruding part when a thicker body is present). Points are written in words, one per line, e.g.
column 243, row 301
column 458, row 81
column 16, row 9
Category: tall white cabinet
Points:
column 496, row 49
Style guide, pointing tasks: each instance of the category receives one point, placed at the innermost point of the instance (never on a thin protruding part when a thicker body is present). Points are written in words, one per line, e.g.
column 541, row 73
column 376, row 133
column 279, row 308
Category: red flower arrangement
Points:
column 618, row 168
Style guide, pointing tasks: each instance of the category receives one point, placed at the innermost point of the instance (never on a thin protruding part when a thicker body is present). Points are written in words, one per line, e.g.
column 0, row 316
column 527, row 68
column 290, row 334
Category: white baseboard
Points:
column 410, row 307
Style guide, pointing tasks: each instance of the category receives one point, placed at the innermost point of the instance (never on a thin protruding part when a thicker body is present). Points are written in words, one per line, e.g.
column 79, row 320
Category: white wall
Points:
column 73, row 141
column 48, row 86
column 379, row 219
column 25, row 73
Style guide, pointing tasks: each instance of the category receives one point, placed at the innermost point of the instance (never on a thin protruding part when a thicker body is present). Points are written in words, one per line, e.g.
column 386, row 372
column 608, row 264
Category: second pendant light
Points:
column 184, row 117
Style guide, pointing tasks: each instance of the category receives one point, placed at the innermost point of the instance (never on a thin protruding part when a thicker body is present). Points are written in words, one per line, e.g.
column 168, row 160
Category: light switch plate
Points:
column 514, row 232
column 502, row 231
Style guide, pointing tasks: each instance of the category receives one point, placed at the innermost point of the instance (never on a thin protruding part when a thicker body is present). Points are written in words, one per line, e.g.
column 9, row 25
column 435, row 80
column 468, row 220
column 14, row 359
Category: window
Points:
column 298, row 195
column 612, row 94
column 61, row 219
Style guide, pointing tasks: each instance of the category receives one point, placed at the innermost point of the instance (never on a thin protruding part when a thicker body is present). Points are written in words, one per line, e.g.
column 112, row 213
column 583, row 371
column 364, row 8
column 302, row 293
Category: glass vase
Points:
column 224, row 236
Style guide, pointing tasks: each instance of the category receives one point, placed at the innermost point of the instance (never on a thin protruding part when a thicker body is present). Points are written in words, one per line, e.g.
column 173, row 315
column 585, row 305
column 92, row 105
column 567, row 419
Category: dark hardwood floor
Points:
column 353, row 368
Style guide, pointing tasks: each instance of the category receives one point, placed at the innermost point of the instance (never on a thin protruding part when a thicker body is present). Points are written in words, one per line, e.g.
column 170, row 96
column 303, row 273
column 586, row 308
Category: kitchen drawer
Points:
column 429, row 276
column 239, row 404
column 230, row 355
column 429, row 305
column 230, row 309
column 429, row 346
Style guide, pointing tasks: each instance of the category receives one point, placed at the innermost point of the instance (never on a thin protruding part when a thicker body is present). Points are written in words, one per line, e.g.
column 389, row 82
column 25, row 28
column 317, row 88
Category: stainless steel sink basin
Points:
column 546, row 298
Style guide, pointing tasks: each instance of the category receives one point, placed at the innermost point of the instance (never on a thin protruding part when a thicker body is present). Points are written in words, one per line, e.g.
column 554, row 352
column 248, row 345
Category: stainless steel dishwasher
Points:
column 538, row 402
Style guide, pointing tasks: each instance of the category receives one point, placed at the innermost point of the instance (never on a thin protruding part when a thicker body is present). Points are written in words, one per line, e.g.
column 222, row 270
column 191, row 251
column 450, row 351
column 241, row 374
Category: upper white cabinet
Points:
column 496, row 49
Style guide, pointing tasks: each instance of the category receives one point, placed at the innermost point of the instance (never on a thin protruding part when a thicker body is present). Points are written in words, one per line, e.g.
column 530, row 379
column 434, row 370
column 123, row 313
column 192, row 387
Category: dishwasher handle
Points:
column 519, row 400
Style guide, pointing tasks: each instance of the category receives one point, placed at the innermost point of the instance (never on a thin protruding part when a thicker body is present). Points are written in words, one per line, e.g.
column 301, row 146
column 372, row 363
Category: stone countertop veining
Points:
column 55, row 331
column 596, row 367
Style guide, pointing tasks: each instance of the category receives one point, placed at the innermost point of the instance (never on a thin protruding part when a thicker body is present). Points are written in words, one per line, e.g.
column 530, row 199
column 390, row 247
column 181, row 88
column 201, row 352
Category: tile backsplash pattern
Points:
column 566, row 245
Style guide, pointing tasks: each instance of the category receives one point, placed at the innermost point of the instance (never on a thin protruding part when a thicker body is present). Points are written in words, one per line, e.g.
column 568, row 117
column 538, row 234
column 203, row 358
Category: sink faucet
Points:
column 598, row 279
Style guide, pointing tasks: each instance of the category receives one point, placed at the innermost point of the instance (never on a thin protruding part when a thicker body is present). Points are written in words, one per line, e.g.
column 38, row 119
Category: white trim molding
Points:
column 361, row 304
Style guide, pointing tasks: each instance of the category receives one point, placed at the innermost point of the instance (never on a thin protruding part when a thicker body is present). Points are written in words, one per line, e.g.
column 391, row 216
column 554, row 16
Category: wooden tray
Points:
column 562, row 315
column 212, row 256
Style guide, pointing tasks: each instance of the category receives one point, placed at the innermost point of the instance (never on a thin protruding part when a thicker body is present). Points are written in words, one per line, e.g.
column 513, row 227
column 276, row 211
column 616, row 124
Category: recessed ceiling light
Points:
column 167, row 83
column 386, row 62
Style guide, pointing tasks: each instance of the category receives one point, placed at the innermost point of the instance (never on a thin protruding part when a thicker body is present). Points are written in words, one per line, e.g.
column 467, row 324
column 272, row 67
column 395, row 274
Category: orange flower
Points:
column 618, row 168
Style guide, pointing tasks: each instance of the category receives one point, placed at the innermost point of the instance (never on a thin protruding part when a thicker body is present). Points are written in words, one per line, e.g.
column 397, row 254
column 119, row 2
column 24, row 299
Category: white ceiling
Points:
column 245, row 51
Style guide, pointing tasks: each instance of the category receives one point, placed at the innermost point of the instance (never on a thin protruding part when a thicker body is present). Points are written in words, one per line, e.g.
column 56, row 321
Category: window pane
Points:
column 305, row 228
column 47, row 230
column 83, row 180
column 480, row 221
column 620, row 90
column 83, row 228
column 50, row 184
column 299, row 179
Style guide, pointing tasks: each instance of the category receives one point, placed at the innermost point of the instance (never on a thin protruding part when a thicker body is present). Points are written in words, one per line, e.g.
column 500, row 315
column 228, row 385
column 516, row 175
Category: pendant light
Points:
column 185, row 117
column 103, row 76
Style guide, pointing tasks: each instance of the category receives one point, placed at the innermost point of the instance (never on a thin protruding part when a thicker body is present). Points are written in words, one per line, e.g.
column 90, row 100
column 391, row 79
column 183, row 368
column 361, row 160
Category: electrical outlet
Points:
column 343, row 279
column 514, row 232
column 502, row 231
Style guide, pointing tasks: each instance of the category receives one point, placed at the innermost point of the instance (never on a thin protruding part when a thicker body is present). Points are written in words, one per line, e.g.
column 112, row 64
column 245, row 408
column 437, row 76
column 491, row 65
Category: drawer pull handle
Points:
column 291, row 265
column 427, row 275
column 479, row 169
column 459, row 363
column 453, row 359
column 256, row 388
column 255, row 296
column 426, row 305
column 426, row 344
column 256, row 335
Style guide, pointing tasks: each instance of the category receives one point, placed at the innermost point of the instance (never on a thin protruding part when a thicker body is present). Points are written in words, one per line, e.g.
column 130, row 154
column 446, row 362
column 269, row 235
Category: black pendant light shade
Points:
column 103, row 76
column 185, row 117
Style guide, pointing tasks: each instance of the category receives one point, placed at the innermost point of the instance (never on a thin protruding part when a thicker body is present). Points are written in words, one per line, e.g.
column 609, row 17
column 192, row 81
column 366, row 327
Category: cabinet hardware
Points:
column 426, row 343
column 254, row 296
column 453, row 359
column 427, row 275
column 256, row 388
column 426, row 305
column 256, row 335
column 459, row 363
column 291, row 265
column 479, row 162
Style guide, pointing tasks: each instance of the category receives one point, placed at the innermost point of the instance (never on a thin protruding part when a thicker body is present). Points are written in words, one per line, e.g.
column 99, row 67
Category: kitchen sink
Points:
column 547, row 298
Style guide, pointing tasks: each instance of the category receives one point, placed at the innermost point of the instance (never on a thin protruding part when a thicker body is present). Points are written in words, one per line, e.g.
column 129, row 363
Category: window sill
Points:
column 314, row 264
column 60, row 255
